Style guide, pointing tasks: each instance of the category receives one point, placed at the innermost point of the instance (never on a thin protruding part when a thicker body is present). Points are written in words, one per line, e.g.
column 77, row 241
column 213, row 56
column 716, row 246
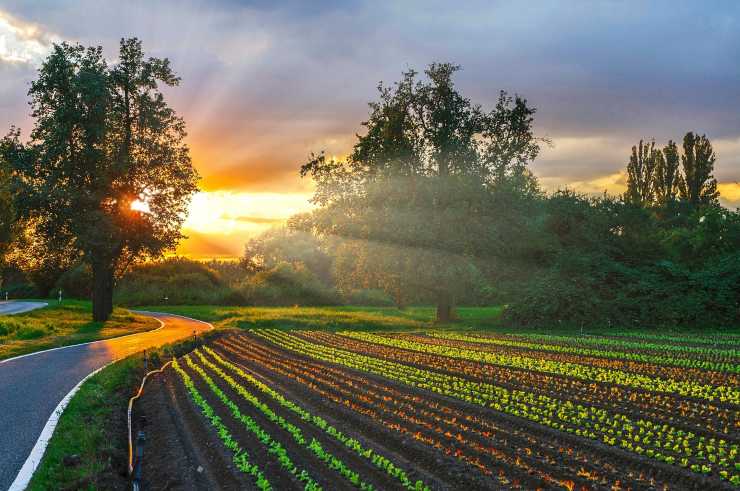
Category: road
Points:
column 18, row 307
column 32, row 386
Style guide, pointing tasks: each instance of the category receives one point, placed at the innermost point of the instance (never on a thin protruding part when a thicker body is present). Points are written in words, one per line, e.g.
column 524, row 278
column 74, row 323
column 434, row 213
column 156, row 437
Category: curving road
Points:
column 8, row 307
column 32, row 386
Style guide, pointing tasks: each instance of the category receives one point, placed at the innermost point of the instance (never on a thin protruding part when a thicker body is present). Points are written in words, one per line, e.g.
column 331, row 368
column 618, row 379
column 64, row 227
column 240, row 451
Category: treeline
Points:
column 436, row 205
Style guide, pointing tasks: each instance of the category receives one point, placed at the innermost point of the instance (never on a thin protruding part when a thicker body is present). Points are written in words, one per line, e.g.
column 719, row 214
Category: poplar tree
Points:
column 698, row 187
column 667, row 174
column 641, row 174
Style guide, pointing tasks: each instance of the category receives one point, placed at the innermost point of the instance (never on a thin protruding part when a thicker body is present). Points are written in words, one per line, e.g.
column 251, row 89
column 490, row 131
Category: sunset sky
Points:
column 265, row 83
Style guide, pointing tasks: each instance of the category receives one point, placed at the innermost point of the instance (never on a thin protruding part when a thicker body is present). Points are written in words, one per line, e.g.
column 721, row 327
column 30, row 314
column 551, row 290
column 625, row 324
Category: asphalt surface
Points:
column 18, row 307
column 32, row 386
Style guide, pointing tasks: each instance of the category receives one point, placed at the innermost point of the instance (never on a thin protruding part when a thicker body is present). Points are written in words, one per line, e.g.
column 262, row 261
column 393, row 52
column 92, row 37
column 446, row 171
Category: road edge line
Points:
column 24, row 476
column 161, row 325
column 37, row 452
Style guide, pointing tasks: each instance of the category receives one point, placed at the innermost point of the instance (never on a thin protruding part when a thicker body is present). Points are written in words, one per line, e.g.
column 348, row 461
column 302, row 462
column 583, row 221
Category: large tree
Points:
column 106, row 171
column 411, row 206
column 699, row 187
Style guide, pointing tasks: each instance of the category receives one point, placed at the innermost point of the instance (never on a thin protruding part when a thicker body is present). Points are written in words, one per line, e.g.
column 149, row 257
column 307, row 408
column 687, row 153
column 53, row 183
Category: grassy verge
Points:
column 62, row 325
column 333, row 318
column 89, row 447
column 391, row 319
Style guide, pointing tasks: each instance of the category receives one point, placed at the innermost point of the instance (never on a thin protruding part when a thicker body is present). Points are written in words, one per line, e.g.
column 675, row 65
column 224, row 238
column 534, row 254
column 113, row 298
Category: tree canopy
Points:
column 410, row 203
column 106, row 171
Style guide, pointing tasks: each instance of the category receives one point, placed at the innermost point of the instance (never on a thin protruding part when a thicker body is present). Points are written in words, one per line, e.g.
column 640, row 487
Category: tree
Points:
column 106, row 169
column 668, row 178
column 412, row 201
column 641, row 174
column 698, row 186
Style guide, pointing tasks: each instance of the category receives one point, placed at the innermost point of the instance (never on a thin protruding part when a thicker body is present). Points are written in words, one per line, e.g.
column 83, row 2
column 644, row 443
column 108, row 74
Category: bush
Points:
column 286, row 284
column 174, row 281
column 75, row 283
column 369, row 297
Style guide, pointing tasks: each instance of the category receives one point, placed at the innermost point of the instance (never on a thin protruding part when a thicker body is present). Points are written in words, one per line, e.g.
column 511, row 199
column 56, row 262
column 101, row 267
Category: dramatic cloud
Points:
column 265, row 83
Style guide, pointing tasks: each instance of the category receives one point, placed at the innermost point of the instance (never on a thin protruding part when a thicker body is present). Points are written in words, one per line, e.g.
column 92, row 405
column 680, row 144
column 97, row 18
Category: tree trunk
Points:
column 445, row 310
column 102, row 295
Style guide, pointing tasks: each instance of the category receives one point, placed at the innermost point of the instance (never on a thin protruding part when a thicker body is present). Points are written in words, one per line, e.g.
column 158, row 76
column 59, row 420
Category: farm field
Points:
column 273, row 409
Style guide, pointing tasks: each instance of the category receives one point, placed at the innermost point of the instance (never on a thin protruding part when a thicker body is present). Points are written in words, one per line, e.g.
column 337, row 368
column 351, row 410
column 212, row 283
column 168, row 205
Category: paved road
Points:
column 32, row 386
column 18, row 307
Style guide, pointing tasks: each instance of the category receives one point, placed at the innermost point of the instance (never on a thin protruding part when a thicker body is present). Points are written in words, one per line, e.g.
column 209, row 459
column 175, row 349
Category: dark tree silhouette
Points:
column 641, row 174
column 667, row 174
column 106, row 171
column 698, row 186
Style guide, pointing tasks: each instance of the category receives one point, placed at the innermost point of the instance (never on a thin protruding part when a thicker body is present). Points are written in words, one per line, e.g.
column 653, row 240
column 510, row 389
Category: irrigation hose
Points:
column 130, row 406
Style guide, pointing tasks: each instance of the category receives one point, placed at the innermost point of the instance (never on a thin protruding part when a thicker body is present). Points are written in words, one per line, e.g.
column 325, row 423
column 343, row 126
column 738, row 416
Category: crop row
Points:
column 710, row 377
column 380, row 461
column 687, row 414
column 458, row 433
column 722, row 394
column 644, row 437
column 275, row 448
column 709, row 338
column 652, row 358
column 239, row 456
column 694, row 351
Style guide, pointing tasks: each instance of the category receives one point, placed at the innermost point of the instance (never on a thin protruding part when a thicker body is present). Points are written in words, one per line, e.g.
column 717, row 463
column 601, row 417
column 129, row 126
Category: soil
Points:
column 183, row 451
column 180, row 453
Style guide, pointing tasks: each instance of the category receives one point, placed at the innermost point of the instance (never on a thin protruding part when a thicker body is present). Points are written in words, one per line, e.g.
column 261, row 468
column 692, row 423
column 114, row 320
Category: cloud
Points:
column 265, row 83
column 22, row 42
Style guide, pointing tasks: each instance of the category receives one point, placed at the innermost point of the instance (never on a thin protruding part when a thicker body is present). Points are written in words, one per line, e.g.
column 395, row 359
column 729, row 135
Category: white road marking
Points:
column 37, row 453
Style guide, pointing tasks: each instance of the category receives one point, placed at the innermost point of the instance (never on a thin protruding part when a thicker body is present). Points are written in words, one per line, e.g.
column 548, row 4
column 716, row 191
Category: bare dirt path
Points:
column 32, row 387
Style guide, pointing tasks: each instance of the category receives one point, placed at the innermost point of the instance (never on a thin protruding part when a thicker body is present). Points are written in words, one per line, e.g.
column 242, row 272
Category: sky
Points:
column 265, row 83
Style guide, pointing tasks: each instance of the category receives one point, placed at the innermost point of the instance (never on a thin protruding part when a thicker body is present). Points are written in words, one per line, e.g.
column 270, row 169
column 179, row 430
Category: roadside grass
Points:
column 64, row 324
column 89, row 447
column 334, row 318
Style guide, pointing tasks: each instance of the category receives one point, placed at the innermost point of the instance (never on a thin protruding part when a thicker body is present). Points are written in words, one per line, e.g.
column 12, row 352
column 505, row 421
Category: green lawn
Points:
column 62, row 325
column 333, row 318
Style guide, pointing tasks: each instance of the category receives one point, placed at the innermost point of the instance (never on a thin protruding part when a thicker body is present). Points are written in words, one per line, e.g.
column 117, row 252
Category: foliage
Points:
column 410, row 204
column 174, row 281
column 104, row 140
column 703, row 444
column 698, row 186
column 7, row 208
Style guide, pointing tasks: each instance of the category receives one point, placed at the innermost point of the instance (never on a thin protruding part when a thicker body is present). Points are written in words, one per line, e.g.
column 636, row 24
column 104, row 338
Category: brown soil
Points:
column 181, row 453
column 180, row 441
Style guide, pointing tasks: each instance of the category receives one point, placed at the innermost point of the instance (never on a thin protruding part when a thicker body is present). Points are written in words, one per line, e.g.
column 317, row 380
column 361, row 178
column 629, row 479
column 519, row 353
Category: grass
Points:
column 64, row 324
column 93, row 427
column 86, row 429
column 334, row 318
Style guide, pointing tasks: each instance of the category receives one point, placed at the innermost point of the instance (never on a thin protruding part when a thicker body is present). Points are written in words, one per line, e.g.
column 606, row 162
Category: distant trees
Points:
column 106, row 172
column 660, row 178
column 411, row 205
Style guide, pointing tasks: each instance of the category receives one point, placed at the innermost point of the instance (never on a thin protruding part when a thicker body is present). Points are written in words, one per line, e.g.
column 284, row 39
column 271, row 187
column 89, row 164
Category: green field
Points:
column 333, row 318
column 64, row 324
